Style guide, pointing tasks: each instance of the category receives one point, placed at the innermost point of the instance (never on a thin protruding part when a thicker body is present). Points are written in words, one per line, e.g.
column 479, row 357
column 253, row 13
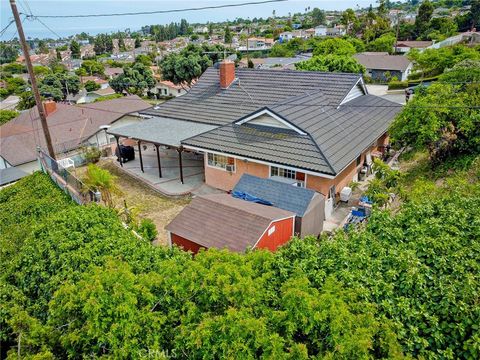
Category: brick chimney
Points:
column 50, row 106
column 227, row 73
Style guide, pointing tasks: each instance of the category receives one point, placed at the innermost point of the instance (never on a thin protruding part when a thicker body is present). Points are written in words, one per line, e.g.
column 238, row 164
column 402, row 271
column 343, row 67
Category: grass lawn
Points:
column 146, row 202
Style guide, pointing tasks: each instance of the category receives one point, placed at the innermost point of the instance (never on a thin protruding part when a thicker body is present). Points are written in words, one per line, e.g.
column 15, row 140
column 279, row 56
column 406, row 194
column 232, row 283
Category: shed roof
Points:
column 281, row 195
column 222, row 221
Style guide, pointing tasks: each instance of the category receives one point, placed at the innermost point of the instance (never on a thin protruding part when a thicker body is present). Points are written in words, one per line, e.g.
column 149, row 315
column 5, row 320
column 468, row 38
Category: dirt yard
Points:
column 146, row 202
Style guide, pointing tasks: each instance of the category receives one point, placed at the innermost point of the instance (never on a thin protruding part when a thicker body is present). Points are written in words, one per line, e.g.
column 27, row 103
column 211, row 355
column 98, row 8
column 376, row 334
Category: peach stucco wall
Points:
column 224, row 180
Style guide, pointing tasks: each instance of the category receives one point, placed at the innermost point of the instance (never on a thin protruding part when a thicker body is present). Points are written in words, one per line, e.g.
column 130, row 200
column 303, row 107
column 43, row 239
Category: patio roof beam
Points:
column 180, row 150
column 119, row 151
column 140, row 154
column 158, row 161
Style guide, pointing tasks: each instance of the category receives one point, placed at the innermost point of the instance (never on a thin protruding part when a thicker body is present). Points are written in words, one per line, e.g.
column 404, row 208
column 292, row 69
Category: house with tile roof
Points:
column 71, row 127
column 310, row 129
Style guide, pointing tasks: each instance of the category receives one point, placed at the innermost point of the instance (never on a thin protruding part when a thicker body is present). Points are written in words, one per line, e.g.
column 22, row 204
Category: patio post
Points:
column 140, row 155
column 158, row 161
column 180, row 149
column 119, row 152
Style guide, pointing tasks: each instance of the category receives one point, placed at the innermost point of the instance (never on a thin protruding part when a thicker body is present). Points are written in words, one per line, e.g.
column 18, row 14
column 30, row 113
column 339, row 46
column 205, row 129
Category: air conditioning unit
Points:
column 230, row 168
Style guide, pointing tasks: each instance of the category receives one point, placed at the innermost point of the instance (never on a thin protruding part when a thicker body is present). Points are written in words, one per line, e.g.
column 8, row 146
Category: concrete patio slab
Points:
column 169, row 184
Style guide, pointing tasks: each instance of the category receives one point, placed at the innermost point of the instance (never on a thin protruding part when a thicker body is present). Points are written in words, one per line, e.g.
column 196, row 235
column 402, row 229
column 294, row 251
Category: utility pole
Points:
column 28, row 62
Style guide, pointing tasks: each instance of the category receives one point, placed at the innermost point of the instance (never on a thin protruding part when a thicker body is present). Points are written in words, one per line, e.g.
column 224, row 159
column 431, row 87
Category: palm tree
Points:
column 98, row 179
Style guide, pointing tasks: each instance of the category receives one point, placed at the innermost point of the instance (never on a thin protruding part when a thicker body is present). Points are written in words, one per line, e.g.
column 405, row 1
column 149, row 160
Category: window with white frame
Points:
column 286, row 173
column 221, row 161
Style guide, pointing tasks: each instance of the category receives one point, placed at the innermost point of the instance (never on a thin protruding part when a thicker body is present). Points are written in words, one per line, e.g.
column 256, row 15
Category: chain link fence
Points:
column 64, row 179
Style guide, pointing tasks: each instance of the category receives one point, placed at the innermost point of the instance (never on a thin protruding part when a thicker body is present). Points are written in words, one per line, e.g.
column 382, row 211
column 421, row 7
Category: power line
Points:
column 161, row 11
column 6, row 27
column 46, row 26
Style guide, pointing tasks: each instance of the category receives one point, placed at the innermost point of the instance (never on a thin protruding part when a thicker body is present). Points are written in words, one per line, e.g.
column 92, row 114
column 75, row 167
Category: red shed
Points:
column 222, row 221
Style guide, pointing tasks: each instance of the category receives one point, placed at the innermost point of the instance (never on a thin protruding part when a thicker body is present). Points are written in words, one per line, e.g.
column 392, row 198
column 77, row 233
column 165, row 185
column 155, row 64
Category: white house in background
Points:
column 285, row 36
column 167, row 88
column 336, row 31
column 201, row 29
column 71, row 127
column 321, row 30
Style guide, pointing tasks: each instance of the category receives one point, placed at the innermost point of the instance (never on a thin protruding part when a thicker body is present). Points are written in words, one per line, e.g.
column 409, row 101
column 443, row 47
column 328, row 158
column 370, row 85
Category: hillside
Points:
column 75, row 282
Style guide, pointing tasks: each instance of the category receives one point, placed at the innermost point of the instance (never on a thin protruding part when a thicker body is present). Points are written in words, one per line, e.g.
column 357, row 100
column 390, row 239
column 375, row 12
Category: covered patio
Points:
column 160, row 159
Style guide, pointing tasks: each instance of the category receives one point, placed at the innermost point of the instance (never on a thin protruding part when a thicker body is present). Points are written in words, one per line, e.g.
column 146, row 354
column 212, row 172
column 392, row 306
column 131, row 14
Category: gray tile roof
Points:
column 336, row 136
column 206, row 102
column 275, row 145
column 281, row 195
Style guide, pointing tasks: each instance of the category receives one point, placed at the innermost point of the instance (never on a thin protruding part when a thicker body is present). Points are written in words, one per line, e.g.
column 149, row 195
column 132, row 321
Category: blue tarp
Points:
column 248, row 197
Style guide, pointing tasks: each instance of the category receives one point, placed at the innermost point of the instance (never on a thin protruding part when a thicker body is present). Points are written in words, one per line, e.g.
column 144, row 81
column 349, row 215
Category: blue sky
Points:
column 95, row 25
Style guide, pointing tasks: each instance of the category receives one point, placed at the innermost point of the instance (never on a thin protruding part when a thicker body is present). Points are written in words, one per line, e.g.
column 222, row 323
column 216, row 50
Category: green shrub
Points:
column 147, row 229
column 394, row 85
column 92, row 154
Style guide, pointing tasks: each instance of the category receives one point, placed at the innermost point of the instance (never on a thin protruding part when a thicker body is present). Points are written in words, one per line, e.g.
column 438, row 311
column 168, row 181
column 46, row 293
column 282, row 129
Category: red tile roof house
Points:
column 71, row 127
column 309, row 129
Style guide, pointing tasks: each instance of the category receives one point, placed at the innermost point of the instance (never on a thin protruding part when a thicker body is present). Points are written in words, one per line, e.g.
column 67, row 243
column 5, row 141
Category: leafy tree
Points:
column 136, row 79
column 14, row 68
column 7, row 115
column 424, row 15
column 180, row 69
column 40, row 70
column 442, row 120
column 474, row 13
column 227, row 37
column 76, row 283
column 384, row 43
column 318, row 17
column 431, row 62
column 93, row 67
column 42, row 47
column 138, row 42
column 8, row 53
column 144, row 59
column 27, row 101
column 103, row 44
column 14, row 85
column 331, row 63
column 358, row 44
column 59, row 86
column 466, row 71
column 75, row 49
column 334, row 47
column 91, row 85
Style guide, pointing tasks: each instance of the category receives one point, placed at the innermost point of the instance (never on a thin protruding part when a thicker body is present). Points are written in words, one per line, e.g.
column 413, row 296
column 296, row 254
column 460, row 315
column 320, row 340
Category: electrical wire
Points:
column 161, row 11
column 46, row 26
column 6, row 27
